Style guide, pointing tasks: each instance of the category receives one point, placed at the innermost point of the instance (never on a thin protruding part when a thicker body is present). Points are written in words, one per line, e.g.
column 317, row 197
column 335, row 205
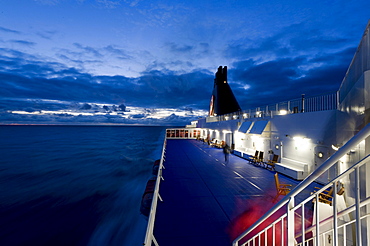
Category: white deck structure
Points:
column 322, row 138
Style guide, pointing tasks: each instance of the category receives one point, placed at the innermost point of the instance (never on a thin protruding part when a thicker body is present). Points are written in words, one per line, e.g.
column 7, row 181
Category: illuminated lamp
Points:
column 277, row 146
column 283, row 112
column 320, row 154
column 334, row 147
column 298, row 138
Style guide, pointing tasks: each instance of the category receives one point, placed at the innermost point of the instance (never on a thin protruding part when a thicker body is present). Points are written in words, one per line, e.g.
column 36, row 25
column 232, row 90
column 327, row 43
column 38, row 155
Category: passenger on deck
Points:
column 226, row 150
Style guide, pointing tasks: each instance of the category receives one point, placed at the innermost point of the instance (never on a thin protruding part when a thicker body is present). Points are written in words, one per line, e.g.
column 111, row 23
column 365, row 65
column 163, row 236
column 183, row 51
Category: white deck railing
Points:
column 149, row 237
column 300, row 105
column 344, row 224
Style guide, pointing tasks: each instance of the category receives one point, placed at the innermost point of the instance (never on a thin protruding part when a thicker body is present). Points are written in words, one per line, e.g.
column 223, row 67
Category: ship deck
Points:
column 208, row 202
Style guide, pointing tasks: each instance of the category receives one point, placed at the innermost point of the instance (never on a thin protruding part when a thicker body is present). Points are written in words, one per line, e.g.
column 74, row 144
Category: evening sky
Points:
column 153, row 62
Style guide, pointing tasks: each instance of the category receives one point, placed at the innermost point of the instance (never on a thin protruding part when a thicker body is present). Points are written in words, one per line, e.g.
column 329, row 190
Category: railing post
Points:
column 337, row 103
column 335, row 216
column 290, row 223
column 357, row 197
column 273, row 234
column 317, row 220
column 303, row 226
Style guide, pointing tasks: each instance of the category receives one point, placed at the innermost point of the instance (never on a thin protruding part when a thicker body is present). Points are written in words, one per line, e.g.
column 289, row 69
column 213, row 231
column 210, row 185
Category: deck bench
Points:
column 244, row 153
column 292, row 168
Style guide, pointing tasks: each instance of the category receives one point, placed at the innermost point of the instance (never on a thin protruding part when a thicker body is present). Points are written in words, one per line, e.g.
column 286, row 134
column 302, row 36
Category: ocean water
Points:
column 75, row 185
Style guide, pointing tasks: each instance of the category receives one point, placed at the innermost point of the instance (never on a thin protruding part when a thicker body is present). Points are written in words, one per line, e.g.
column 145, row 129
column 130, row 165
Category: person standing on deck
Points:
column 226, row 150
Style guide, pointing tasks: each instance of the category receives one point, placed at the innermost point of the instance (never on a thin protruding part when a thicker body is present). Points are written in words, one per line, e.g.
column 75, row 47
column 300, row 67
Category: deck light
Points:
column 283, row 112
column 334, row 147
column 320, row 154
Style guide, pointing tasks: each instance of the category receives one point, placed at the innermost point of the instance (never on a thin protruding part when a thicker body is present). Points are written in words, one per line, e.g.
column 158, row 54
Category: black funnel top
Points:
column 223, row 100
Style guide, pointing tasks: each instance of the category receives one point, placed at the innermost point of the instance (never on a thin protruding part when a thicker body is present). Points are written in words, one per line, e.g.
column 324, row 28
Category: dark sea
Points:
column 75, row 185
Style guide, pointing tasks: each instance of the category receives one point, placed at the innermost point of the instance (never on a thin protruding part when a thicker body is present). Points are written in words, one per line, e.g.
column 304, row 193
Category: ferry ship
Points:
column 297, row 175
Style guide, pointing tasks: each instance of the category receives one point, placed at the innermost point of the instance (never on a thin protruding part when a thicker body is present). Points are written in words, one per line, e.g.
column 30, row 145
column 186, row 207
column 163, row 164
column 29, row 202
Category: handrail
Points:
column 323, row 102
column 149, row 237
column 353, row 142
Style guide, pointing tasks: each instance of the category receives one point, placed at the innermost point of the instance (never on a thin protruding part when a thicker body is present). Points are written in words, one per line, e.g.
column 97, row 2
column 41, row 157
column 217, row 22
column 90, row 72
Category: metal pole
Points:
column 357, row 197
column 282, row 231
column 317, row 219
column 303, row 226
column 335, row 215
column 290, row 222
column 273, row 234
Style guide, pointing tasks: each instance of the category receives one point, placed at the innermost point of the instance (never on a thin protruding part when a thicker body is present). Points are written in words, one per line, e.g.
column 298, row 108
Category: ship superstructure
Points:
column 321, row 140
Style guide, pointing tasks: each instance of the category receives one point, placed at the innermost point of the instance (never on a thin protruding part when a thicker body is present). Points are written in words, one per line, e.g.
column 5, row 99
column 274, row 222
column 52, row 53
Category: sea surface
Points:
column 75, row 185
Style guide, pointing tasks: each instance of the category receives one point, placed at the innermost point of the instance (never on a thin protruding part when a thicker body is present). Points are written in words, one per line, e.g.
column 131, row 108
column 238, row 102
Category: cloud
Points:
column 46, row 34
column 177, row 48
column 264, row 83
column 117, row 52
column 49, row 2
column 110, row 4
column 48, row 90
column 88, row 50
column 291, row 41
column 23, row 42
column 7, row 30
column 293, row 61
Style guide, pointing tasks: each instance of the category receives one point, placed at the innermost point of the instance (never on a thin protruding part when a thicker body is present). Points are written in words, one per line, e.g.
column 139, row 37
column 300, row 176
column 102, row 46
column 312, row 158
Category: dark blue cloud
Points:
column 23, row 42
column 88, row 50
column 3, row 29
column 117, row 52
column 291, row 41
column 30, row 78
column 179, row 48
column 258, row 84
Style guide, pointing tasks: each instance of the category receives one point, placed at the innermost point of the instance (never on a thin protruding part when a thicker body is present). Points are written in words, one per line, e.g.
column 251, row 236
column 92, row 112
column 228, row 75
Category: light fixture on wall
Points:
column 277, row 146
column 335, row 147
column 320, row 154
column 283, row 112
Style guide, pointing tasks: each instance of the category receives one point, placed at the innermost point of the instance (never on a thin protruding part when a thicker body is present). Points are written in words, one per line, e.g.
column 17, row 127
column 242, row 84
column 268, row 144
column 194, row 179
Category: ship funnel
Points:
column 223, row 100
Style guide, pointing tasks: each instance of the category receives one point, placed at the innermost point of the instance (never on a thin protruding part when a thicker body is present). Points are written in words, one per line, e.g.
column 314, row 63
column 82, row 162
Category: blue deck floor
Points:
column 207, row 202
